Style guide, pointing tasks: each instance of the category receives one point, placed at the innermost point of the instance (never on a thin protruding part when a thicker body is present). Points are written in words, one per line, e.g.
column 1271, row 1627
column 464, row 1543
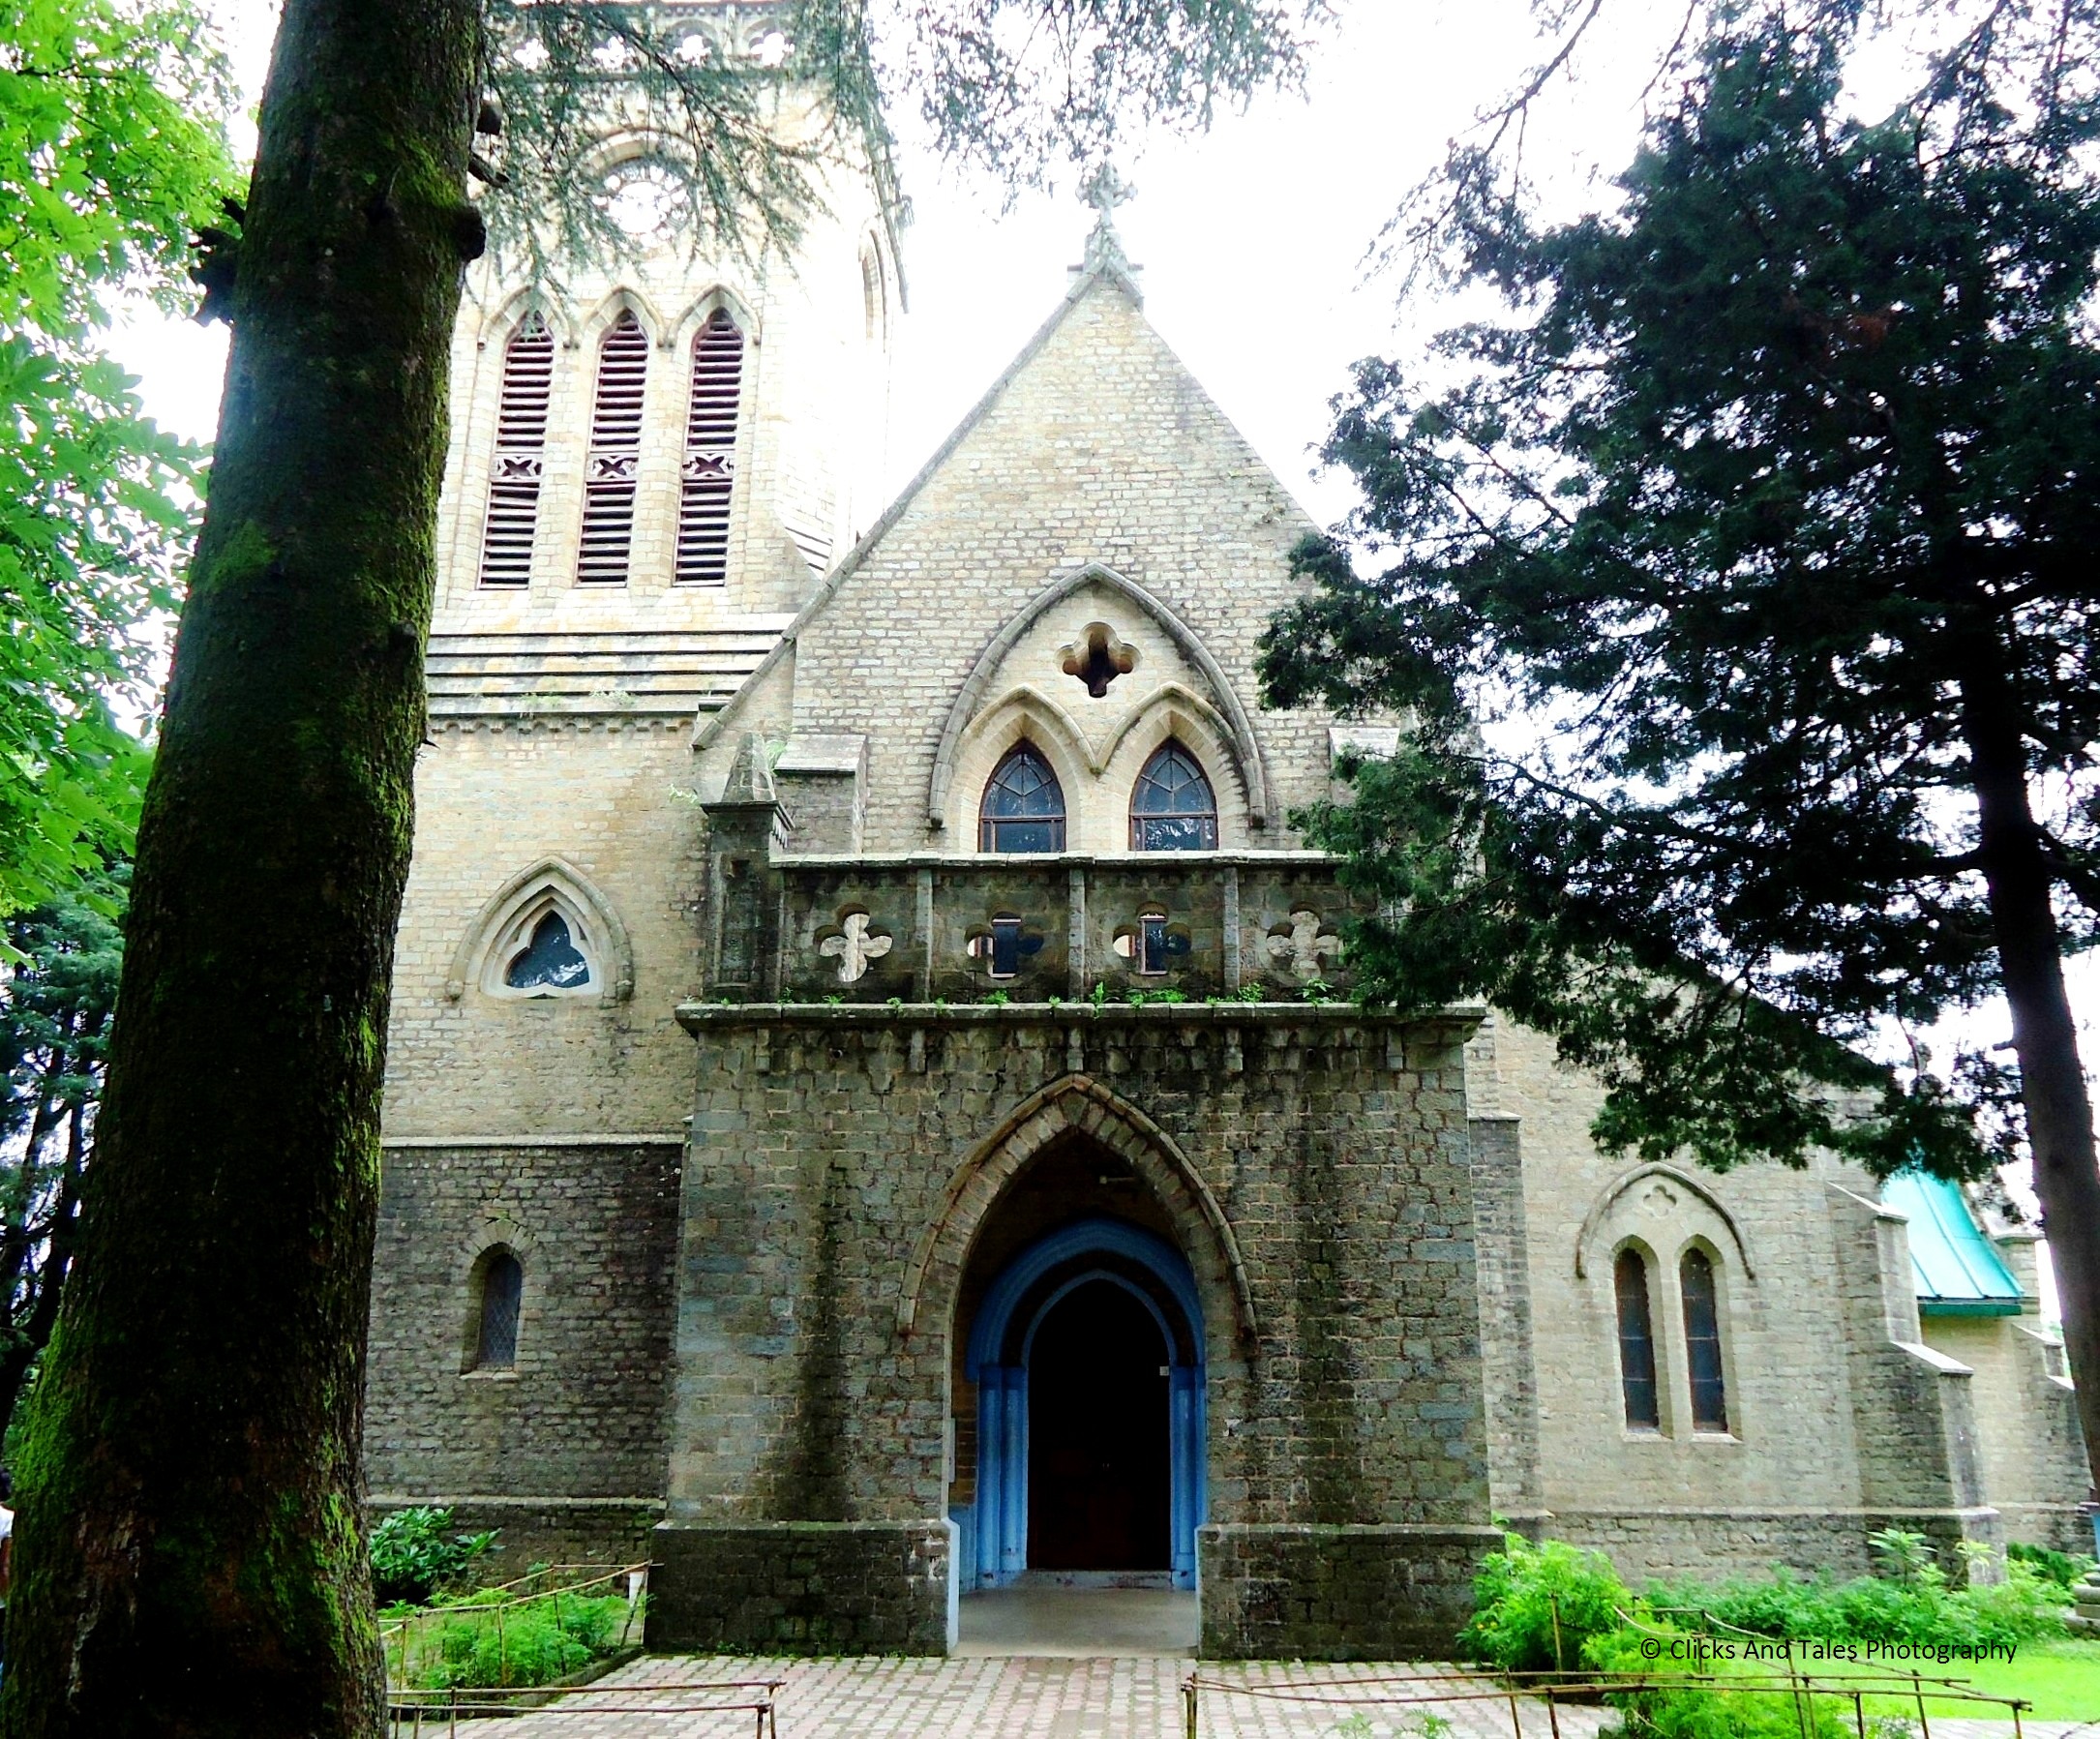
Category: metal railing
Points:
column 1426, row 1690
column 412, row 1644
column 429, row 1714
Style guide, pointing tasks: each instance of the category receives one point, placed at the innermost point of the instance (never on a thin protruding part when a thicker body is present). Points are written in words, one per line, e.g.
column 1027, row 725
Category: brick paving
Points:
column 1034, row 1698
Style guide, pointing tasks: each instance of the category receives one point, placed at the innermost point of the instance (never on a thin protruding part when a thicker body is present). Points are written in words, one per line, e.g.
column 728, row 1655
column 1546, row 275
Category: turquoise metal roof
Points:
column 1956, row 1270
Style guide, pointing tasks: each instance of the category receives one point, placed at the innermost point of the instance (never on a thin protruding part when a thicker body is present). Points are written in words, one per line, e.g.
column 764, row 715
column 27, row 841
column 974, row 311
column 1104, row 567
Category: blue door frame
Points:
column 999, row 1527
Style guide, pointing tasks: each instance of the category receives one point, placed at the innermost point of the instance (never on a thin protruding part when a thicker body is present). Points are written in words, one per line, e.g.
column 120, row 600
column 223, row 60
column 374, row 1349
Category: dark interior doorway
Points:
column 1098, row 1452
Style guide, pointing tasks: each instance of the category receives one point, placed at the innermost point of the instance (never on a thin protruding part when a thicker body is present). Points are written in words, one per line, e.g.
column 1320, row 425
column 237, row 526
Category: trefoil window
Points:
column 1024, row 806
column 550, row 961
column 1703, row 1342
column 1636, row 1343
column 1173, row 808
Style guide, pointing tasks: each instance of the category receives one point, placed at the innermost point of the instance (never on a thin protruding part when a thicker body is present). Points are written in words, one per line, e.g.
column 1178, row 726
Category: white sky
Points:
column 1252, row 240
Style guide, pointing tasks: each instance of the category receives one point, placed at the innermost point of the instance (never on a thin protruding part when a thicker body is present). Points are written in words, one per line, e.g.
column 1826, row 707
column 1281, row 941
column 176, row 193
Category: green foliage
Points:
column 1015, row 88
column 2064, row 1568
column 526, row 1643
column 54, row 1039
column 1912, row 1605
column 1139, row 999
column 416, row 1556
column 1738, row 545
column 1536, row 1608
column 111, row 150
column 997, row 998
column 1710, row 1709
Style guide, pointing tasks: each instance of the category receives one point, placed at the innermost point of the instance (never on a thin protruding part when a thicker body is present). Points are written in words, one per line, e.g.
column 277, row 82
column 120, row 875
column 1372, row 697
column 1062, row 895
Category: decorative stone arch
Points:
column 625, row 299
column 1261, row 803
column 1078, row 1104
column 553, row 884
column 502, row 321
column 1026, row 712
column 1174, row 712
column 678, row 333
column 1617, row 1191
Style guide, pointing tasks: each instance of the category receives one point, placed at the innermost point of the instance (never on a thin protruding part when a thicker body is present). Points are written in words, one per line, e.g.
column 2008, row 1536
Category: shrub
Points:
column 530, row 1643
column 1709, row 1710
column 2064, row 1568
column 1535, row 1606
column 414, row 1555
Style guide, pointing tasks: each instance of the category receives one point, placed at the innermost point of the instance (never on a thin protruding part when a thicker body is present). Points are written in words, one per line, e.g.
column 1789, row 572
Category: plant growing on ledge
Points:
column 1317, row 991
column 999, row 999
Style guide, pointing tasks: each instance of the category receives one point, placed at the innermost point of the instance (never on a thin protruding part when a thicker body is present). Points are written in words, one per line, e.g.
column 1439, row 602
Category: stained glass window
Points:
column 502, row 1292
column 1173, row 808
column 1024, row 806
column 1703, row 1342
column 550, row 961
column 1636, row 1343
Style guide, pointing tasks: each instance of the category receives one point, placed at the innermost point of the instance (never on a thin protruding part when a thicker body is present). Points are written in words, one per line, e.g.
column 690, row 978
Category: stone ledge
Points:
column 802, row 1588
column 1459, row 1022
column 1336, row 1591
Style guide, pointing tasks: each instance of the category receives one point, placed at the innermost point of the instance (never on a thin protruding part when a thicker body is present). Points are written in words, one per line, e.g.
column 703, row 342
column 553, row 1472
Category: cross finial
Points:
column 1104, row 189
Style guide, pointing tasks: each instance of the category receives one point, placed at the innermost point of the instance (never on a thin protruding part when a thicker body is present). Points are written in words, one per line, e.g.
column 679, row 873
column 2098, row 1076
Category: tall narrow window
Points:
column 615, row 454
column 1024, row 806
column 1703, row 1342
column 1173, row 808
column 1636, row 1343
column 707, row 475
column 521, row 441
column 502, row 1292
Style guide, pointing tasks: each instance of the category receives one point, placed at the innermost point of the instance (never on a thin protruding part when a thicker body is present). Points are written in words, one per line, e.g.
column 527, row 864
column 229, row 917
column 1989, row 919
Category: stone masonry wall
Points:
column 582, row 1416
column 814, row 1350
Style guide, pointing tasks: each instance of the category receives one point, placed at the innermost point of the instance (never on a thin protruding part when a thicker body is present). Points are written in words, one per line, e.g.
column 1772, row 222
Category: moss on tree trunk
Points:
column 190, row 1557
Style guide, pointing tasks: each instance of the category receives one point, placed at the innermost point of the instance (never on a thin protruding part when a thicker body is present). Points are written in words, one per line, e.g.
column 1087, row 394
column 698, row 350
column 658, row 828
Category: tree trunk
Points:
column 33, row 1327
column 190, row 1557
column 2045, row 1038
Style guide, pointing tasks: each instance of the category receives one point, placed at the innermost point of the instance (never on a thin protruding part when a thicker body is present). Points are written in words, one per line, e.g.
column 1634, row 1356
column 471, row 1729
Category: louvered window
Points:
column 708, row 475
column 521, row 439
column 616, row 455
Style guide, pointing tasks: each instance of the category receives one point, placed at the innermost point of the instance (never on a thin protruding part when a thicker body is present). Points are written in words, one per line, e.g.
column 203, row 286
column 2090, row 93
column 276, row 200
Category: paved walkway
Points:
column 1047, row 1697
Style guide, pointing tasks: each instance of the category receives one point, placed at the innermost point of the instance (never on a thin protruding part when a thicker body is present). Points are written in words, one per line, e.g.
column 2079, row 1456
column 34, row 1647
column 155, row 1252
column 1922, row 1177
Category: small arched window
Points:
column 516, row 471
column 503, row 1293
column 1024, row 806
column 1636, row 1343
column 708, row 477
column 1703, row 1342
column 614, row 463
column 1173, row 808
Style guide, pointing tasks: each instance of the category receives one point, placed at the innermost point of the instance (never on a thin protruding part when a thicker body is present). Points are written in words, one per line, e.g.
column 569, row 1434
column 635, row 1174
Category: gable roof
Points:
column 1106, row 267
column 1956, row 1271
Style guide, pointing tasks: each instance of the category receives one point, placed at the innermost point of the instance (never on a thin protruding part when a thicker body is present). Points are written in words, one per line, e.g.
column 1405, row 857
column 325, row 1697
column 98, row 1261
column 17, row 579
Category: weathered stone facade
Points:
column 801, row 1115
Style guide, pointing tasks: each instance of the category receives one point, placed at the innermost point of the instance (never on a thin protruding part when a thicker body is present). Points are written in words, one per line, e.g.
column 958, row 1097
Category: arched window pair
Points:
column 1172, row 807
column 612, row 468
column 1637, row 1381
column 499, row 1298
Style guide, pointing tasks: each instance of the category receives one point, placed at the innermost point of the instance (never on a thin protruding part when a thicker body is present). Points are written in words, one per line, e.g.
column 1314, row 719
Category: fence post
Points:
column 1559, row 1665
column 1917, row 1685
column 1188, row 1707
column 1859, row 1715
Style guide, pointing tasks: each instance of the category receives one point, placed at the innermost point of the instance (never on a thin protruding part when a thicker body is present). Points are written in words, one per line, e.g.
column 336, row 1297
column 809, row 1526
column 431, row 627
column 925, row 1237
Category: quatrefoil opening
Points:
column 1097, row 657
column 853, row 946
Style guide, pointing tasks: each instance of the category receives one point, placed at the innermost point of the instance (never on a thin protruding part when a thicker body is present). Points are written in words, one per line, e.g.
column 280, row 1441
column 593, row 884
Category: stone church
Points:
column 873, row 1111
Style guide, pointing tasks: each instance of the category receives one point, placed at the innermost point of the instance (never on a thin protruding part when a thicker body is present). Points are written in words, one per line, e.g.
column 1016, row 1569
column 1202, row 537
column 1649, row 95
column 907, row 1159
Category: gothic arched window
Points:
column 1703, row 1342
column 1173, row 808
column 1636, row 1343
column 503, row 1293
column 707, row 475
column 519, row 461
column 614, row 463
column 1024, row 806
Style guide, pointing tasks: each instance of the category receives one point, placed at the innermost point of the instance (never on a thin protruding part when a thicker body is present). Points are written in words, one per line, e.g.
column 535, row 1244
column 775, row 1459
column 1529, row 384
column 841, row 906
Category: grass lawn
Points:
column 2060, row 1679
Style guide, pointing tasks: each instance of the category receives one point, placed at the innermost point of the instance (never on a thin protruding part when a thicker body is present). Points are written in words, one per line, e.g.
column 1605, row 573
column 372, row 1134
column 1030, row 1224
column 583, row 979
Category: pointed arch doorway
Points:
column 1087, row 1353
